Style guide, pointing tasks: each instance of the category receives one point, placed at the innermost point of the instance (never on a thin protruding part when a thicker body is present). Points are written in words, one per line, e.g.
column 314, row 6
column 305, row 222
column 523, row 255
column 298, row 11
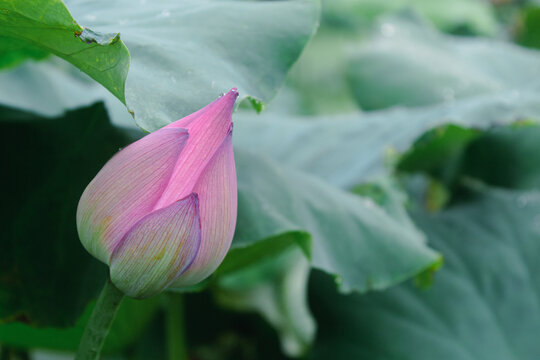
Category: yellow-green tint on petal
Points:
column 127, row 189
column 157, row 249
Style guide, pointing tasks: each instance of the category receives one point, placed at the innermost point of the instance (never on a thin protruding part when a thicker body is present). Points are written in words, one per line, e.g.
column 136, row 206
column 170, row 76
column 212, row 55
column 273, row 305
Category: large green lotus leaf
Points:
column 47, row 277
column 410, row 64
column 185, row 53
column 48, row 25
column 457, row 16
column 350, row 149
column 343, row 234
column 132, row 318
column 482, row 305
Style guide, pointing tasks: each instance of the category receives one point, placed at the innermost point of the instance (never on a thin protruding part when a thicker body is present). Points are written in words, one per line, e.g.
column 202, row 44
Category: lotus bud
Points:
column 162, row 212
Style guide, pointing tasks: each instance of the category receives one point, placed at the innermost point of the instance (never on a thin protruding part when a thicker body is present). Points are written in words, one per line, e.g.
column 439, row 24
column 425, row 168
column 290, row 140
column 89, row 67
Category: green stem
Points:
column 100, row 322
column 176, row 341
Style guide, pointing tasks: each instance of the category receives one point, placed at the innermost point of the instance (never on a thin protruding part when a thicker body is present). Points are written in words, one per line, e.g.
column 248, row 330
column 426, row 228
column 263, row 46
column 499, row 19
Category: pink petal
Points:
column 207, row 129
column 157, row 249
column 126, row 189
column 217, row 191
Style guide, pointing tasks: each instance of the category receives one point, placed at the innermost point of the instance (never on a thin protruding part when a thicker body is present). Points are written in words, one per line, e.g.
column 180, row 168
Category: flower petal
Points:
column 211, row 108
column 157, row 249
column 217, row 192
column 207, row 129
column 126, row 189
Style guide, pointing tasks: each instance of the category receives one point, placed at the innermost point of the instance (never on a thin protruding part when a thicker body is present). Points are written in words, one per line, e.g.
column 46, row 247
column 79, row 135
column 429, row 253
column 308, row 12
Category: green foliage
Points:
column 216, row 334
column 50, row 87
column 195, row 48
column 506, row 157
column 458, row 16
column 482, row 304
column 186, row 53
column 439, row 152
column 47, row 277
column 527, row 30
column 320, row 77
column 349, row 235
column 502, row 157
column 398, row 157
column 276, row 288
column 15, row 51
column 48, row 25
column 347, row 150
column 131, row 321
column 431, row 68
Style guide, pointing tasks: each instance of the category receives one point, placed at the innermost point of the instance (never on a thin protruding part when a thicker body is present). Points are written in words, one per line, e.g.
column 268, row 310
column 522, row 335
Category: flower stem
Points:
column 100, row 322
column 176, row 341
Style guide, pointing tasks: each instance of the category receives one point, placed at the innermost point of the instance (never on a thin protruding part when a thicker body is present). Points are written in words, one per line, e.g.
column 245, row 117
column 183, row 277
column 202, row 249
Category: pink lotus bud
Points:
column 161, row 213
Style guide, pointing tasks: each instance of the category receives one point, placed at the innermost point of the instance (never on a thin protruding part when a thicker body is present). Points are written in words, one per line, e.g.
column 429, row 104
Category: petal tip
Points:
column 194, row 197
column 233, row 93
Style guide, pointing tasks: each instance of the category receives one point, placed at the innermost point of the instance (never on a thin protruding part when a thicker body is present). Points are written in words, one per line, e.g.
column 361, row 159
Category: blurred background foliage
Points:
column 389, row 192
